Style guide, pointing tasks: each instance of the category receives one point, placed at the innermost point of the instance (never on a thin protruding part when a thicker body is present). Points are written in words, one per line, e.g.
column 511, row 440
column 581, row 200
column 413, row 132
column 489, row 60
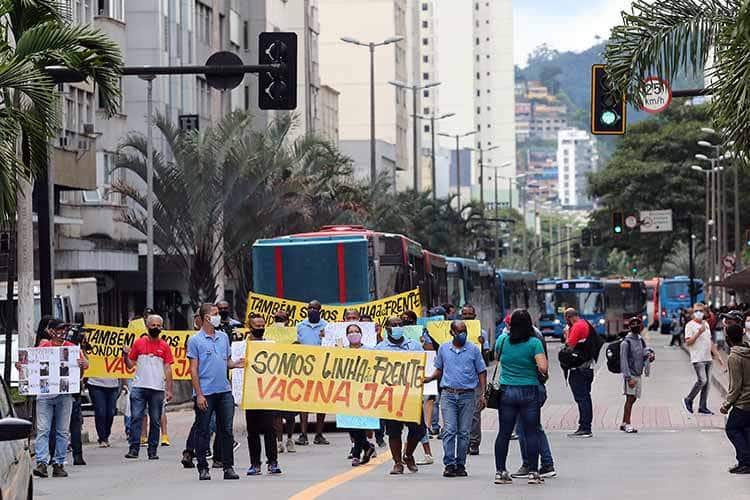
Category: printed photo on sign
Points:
column 335, row 334
column 44, row 372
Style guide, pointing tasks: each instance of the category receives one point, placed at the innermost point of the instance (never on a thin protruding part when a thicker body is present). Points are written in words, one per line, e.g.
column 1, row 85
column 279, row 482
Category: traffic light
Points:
column 278, row 89
column 618, row 222
column 747, row 237
column 634, row 270
column 576, row 248
column 596, row 238
column 608, row 112
column 586, row 238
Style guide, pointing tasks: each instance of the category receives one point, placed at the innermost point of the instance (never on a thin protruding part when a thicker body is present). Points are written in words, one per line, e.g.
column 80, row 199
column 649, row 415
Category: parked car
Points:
column 15, row 456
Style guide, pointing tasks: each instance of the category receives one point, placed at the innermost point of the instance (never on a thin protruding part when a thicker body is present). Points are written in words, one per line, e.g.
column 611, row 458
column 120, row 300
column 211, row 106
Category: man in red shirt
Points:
column 580, row 378
column 152, row 358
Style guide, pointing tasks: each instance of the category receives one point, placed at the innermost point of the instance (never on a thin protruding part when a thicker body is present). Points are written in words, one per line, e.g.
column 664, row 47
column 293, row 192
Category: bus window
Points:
column 456, row 290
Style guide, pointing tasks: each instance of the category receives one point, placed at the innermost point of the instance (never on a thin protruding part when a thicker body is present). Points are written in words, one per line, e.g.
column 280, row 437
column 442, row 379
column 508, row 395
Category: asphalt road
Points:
column 675, row 456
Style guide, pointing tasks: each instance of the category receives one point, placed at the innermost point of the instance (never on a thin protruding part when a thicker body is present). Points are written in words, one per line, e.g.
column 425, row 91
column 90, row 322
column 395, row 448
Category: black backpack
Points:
column 613, row 356
column 583, row 352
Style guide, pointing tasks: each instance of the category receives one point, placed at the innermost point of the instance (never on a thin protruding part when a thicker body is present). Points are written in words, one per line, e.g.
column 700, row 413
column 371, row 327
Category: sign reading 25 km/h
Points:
column 658, row 95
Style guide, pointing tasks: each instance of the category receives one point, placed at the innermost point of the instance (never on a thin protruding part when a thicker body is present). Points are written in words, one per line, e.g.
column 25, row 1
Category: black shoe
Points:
column 319, row 439
column 450, row 471
column 461, row 471
column 547, row 471
column 740, row 469
column 78, row 460
column 153, row 456
column 688, row 405
column 58, row 471
column 204, row 475
column 218, row 465
column 302, row 440
column 187, row 460
column 474, row 450
column 40, row 470
column 580, row 434
column 230, row 475
column 131, row 454
column 705, row 411
column 380, row 442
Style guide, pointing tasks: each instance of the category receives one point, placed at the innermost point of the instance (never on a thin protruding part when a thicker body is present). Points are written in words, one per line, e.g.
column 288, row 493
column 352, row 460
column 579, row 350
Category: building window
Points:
column 247, row 97
column 425, row 59
column 479, row 110
column 425, row 76
column 426, row 93
column 477, row 41
column 425, row 24
column 479, row 76
column 479, row 93
column 245, row 36
column 205, row 18
column 426, row 111
column 426, row 128
column 425, row 41
column 425, row 6
column 114, row 9
column 479, row 128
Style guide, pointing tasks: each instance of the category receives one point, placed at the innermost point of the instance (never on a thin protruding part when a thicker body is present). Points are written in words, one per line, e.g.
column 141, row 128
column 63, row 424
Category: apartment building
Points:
column 576, row 158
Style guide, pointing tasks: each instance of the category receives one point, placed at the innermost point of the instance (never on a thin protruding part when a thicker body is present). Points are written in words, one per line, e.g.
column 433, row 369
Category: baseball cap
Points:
column 55, row 323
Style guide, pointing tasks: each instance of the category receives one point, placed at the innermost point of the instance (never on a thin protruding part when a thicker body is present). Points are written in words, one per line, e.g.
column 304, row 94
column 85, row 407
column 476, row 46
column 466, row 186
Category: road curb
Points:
column 715, row 381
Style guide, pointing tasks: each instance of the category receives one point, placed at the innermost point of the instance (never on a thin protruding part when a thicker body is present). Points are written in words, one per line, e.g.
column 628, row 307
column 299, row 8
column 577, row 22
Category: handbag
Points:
column 493, row 392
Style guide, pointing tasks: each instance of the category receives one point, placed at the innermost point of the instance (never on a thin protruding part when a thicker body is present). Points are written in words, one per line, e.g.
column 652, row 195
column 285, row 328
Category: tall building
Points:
column 427, row 55
column 494, row 86
column 346, row 67
column 576, row 158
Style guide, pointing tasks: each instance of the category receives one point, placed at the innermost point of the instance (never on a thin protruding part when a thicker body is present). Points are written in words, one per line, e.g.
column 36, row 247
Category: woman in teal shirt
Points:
column 521, row 357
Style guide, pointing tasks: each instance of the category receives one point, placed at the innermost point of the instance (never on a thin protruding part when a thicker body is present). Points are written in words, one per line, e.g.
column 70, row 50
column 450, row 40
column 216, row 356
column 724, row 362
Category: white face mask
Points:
column 215, row 321
column 698, row 315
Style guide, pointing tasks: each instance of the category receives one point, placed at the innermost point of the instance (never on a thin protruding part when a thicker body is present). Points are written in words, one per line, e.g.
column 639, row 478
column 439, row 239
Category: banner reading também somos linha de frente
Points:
column 380, row 310
column 358, row 382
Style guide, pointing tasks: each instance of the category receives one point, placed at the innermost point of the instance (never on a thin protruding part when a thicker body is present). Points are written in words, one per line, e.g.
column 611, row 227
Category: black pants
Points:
column 191, row 444
column 580, row 380
column 738, row 432
column 359, row 438
column 222, row 404
column 261, row 422
column 676, row 340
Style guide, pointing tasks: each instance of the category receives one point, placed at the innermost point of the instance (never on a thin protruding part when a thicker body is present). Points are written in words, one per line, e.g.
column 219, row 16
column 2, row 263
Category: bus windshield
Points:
column 456, row 290
column 547, row 302
column 632, row 300
column 675, row 291
column 585, row 302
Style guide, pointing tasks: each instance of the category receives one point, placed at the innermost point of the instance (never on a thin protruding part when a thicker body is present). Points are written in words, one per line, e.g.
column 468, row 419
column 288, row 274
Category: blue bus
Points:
column 584, row 295
column 674, row 294
column 549, row 325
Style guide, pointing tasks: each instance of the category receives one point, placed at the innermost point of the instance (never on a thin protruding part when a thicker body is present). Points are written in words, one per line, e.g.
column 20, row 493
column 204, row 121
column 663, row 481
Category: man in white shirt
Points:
column 702, row 349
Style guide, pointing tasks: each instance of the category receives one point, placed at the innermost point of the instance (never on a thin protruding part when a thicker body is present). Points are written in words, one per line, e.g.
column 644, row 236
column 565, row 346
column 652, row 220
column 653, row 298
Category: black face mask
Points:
column 258, row 332
column 313, row 315
column 224, row 314
column 154, row 332
column 635, row 329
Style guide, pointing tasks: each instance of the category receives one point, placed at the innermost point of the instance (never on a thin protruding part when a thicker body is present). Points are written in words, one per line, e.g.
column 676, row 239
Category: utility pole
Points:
column 150, row 190
column 551, row 257
column 568, row 252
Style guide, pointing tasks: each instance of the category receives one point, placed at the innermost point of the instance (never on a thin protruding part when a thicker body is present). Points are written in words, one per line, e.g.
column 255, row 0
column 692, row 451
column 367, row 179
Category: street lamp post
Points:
column 414, row 89
column 149, row 190
column 458, row 137
column 481, row 152
column 497, row 208
column 433, row 119
column 371, row 46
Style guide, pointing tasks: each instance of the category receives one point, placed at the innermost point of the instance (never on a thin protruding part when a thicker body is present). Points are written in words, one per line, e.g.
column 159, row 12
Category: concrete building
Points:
column 494, row 85
column 576, row 157
column 329, row 113
column 385, row 160
column 346, row 68
column 428, row 55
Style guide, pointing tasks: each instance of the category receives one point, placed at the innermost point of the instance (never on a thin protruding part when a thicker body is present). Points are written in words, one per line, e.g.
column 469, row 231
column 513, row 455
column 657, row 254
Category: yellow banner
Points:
column 382, row 384
column 380, row 310
column 441, row 331
column 105, row 351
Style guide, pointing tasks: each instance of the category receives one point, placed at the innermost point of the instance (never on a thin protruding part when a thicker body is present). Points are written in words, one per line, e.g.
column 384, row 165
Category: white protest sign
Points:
column 238, row 374
column 49, row 370
column 430, row 389
column 335, row 334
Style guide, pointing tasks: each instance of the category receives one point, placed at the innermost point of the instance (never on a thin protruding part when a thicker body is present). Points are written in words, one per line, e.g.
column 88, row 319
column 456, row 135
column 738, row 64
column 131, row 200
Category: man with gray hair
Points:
column 152, row 358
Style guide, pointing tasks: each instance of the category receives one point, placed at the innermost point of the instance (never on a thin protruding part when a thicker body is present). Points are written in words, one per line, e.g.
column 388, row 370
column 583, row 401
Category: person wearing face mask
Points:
column 152, row 384
column 210, row 355
column 362, row 450
column 634, row 356
column 284, row 421
column 228, row 324
column 701, row 348
column 395, row 341
column 260, row 421
column 737, row 401
column 310, row 332
column 460, row 367
column 408, row 318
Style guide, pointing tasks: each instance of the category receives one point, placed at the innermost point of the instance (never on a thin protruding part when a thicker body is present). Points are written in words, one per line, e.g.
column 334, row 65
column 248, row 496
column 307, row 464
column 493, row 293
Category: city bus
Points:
column 549, row 325
column 623, row 299
column 652, row 302
column 584, row 295
column 674, row 294
column 463, row 278
column 435, row 287
column 338, row 265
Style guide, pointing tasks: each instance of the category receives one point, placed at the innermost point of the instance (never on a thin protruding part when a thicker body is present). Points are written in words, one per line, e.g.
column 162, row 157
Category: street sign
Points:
column 631, row 221
column 188, row 122
column 224, row 82
column 658, row 95
column 656, row 221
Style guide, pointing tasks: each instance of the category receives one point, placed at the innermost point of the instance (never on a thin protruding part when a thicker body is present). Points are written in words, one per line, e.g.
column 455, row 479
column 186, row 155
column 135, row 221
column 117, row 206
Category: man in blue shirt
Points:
column 210, row 355
column 395, row 341
column 469, row 312
column 310, row 332
column 460, row 367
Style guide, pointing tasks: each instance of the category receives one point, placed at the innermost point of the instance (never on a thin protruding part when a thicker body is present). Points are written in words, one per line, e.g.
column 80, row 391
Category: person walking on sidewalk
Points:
column 634, row 357
column 701, row 348
column 460, row 367
column 581, row 377
column 737, row 403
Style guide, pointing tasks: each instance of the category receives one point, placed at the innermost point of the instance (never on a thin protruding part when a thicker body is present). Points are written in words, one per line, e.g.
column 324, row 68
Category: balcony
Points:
column 73, row 159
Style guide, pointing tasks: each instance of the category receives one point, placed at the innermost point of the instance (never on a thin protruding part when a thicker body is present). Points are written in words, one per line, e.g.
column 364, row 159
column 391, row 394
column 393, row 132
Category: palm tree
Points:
column 36, row 35
column 666, row 37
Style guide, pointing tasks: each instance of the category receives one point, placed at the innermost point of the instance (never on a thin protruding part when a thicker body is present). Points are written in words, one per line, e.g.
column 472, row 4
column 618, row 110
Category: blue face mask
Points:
column 461, row 339
column 397, row 333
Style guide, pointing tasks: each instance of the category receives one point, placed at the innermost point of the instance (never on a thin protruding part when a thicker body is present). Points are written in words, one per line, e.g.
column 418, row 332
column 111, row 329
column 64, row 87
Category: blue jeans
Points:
column 458, row 411
column 104, row 400
column 139, row 399
column 544, row 451
column 518, row 402
column 58, row 407
column 221, row 404
column 580, row 381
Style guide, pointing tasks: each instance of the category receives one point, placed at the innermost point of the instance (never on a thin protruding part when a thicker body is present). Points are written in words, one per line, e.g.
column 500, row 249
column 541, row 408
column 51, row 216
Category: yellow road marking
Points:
column 323, row 487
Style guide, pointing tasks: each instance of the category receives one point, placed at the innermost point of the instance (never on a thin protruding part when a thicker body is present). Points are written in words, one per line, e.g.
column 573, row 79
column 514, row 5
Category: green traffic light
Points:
column 609, row 118
column 618, row 229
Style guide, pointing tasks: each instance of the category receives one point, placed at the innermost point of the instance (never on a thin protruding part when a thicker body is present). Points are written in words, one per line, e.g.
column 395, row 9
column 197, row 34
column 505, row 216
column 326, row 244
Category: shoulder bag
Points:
column 493, row 392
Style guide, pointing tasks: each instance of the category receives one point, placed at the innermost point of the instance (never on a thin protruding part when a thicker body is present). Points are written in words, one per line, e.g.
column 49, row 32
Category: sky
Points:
column 565, row 25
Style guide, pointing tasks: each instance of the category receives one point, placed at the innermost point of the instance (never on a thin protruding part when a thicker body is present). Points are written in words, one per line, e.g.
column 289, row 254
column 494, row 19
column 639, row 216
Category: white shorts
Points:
column 633, row 391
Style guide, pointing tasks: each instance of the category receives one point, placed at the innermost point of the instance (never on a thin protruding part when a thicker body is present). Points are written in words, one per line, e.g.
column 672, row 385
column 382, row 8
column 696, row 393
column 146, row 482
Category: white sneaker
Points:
column 281, row 446
column 427, row 460
column 290, row 445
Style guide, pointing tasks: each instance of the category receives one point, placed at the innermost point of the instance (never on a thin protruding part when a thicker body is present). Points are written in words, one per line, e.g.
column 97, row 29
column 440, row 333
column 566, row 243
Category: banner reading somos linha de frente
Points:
column 380, row 310
column 382, row 384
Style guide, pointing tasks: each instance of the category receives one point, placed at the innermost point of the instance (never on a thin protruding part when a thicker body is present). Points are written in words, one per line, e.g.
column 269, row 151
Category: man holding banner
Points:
column 310, row 332
column 395, row 341
column 460, row 367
